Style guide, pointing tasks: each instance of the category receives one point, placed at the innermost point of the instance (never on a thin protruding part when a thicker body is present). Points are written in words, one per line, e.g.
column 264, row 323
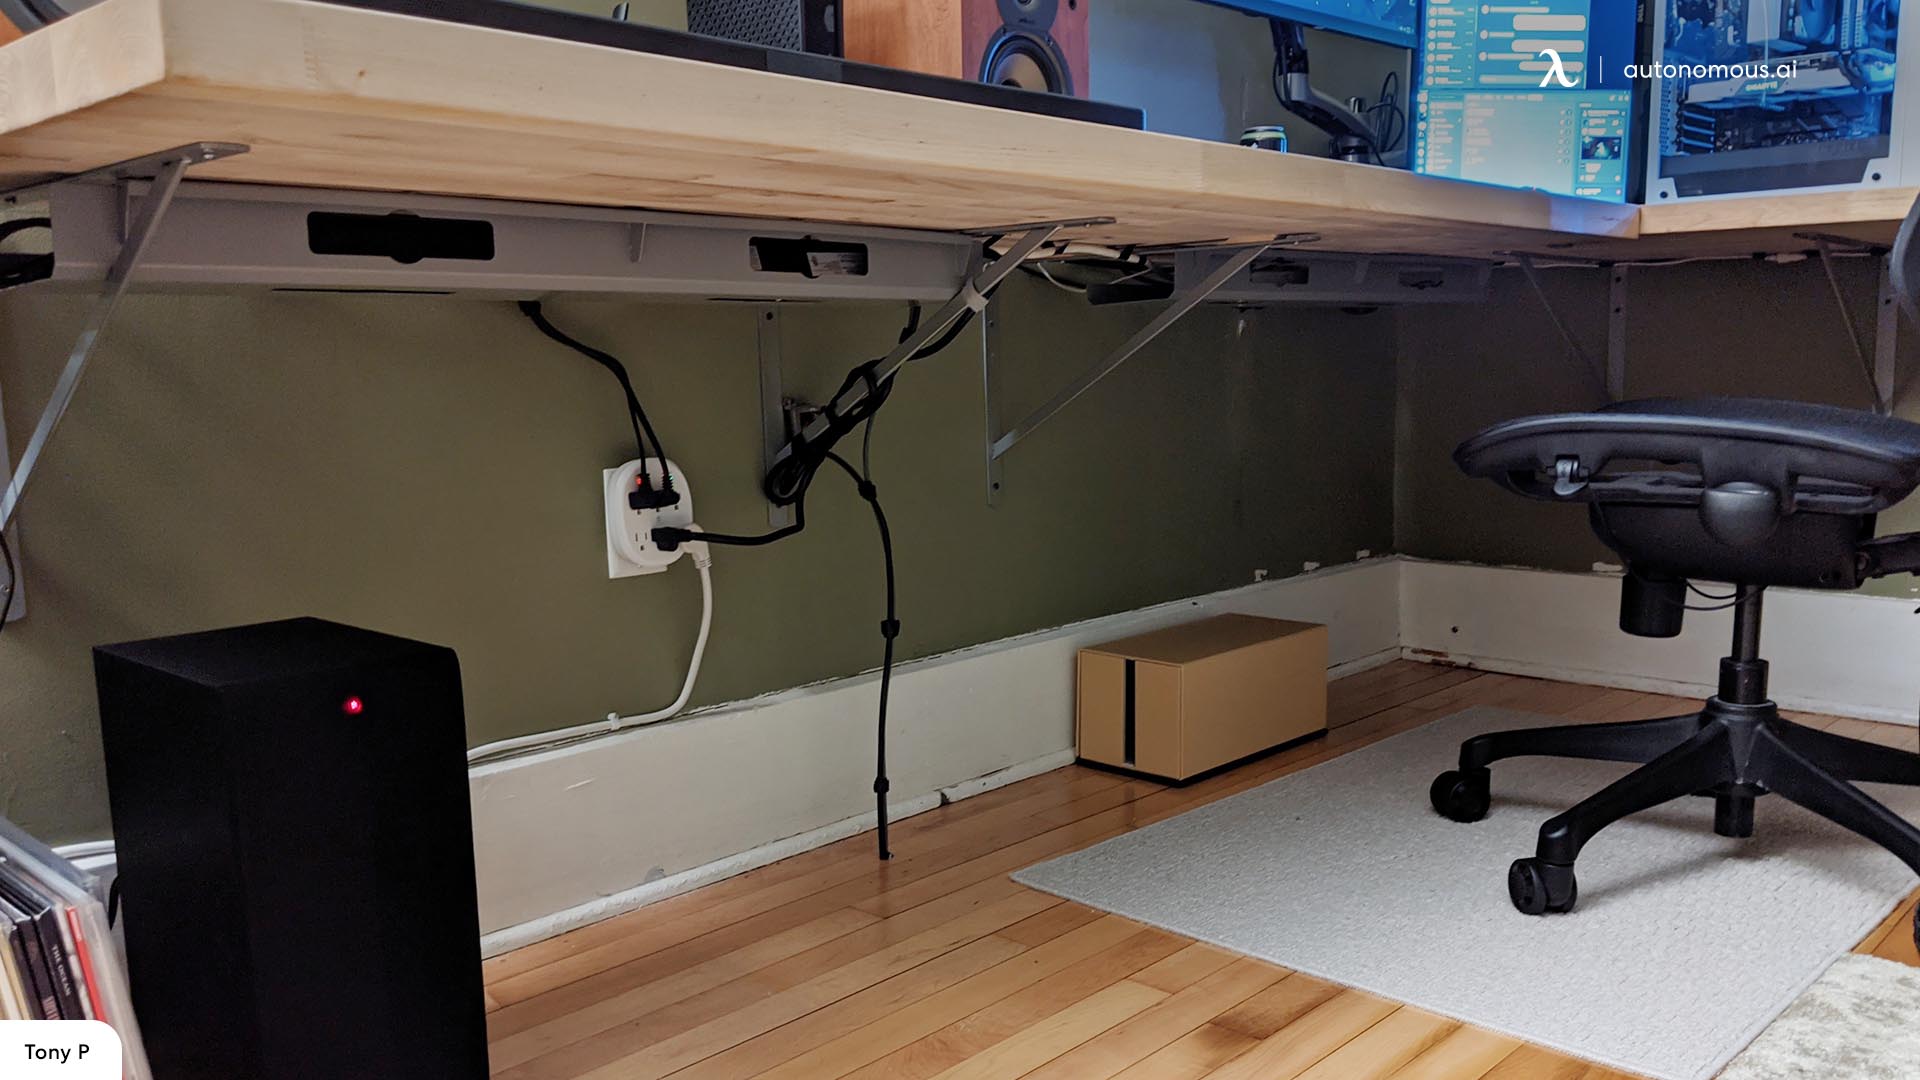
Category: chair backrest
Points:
column 1906, row 263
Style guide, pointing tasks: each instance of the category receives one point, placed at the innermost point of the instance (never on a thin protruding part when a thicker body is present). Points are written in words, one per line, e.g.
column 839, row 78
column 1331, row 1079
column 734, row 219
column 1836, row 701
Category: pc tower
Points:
column 1031, row 44
column 812, row 26
column 295, row 849
column 1765, row 96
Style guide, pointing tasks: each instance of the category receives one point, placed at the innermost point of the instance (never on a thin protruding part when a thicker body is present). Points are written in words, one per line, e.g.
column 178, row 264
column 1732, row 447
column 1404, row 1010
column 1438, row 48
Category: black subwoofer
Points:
column 295, row 851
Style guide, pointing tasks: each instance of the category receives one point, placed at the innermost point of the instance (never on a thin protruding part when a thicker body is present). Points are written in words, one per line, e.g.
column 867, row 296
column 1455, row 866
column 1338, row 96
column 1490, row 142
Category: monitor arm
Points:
column 1352, row 135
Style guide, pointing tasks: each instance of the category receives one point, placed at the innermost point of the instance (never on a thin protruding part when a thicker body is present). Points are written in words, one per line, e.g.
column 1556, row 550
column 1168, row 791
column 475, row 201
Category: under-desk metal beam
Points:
column 1183, row 302
column 166, row 168
column 256, row 236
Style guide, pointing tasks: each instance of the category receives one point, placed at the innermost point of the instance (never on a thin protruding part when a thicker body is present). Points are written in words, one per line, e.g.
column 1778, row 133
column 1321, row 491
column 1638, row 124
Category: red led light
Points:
column 353, row 706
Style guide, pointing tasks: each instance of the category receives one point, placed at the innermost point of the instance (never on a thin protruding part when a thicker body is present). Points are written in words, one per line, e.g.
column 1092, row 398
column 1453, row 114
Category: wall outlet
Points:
column 631, row 551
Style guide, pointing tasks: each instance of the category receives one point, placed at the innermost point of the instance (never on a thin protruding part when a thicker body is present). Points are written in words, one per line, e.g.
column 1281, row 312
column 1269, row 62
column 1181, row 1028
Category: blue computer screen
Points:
column 1534, row 94
column 1390, row 21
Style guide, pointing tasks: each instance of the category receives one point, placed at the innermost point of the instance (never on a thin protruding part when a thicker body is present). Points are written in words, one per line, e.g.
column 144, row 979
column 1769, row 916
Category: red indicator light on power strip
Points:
column 353, row 706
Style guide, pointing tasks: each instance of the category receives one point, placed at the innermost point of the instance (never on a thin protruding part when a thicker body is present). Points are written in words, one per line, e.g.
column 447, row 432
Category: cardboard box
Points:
column 1178, row 703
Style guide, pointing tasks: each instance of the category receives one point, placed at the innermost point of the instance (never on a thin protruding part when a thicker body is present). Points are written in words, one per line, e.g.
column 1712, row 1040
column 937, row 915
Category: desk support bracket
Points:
column 1611, row 378
column 1617, row 333
column 1878, row 370
column 773, row 406
column 142, row 223
column 972, row 297
column 989, row 345
column 1183, row 302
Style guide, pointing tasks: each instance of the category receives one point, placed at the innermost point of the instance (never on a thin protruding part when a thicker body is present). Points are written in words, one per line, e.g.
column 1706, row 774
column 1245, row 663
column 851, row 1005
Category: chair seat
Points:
column 1816, row 458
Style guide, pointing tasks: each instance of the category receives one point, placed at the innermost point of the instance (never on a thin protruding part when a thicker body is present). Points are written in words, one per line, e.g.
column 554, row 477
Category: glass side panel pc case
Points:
column 1779, row 95
column 1533, row 94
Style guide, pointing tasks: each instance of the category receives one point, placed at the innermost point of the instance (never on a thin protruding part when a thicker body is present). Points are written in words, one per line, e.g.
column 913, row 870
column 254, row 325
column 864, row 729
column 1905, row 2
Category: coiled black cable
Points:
column 787, row 481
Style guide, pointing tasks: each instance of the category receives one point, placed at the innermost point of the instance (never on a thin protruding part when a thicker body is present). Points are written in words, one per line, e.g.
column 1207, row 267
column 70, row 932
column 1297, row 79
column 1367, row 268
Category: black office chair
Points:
column 1750, row 492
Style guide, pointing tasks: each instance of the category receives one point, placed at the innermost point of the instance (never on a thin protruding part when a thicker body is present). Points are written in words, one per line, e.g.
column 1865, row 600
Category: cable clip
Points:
column 890, row 628
column 881, row 786
column 973, row 297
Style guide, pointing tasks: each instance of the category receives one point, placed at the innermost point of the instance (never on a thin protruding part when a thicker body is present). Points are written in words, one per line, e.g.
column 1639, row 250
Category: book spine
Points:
column 83, row 955
column 46, row 1003
column 59, row 967
column 13, row 1000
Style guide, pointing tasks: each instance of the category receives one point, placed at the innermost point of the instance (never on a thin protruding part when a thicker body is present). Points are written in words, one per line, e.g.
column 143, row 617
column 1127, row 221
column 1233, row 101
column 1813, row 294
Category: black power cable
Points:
column 889, row 630
column 635, row 414
column 13, row 578
column 793, row 476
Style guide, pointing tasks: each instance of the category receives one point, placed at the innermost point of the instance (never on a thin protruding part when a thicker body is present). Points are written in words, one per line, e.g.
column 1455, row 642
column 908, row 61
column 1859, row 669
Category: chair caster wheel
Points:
column 1462, row 796
column 1539, row 887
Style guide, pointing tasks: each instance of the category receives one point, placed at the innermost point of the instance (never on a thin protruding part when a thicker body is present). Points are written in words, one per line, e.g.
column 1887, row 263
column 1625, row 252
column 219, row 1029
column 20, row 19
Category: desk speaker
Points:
column 295, row 849
column 1031, row 44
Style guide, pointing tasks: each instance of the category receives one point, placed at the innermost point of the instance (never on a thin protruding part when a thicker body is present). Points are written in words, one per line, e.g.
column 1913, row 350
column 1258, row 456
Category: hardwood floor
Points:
column 936, row 964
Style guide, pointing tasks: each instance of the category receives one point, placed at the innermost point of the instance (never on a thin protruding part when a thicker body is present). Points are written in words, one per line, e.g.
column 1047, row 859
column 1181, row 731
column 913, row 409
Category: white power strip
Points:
column 631, row 551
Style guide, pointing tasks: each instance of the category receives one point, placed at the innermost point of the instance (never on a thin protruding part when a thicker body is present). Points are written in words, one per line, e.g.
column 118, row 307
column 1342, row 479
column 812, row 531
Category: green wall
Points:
column 431, row 467
column 1745, row 328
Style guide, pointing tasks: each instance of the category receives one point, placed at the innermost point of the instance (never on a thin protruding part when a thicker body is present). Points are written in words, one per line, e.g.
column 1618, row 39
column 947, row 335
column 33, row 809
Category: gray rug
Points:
column 1861, row 1021
column 1684, row 946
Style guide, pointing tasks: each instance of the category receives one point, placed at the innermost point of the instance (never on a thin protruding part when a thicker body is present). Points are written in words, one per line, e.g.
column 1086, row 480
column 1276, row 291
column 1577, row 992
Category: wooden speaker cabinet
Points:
column 1031, row 44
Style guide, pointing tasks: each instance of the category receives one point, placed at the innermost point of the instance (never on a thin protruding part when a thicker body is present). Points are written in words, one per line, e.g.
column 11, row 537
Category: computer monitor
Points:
column 1391, row 22
column 1532, row 94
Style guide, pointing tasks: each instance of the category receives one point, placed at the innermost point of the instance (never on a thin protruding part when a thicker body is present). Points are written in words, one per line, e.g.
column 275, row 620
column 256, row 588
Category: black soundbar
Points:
column 520, row 18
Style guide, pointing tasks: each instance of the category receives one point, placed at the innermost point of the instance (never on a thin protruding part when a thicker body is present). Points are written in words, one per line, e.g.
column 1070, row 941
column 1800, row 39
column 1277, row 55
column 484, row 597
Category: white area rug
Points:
column 1861, row 1021
column 1684, row 946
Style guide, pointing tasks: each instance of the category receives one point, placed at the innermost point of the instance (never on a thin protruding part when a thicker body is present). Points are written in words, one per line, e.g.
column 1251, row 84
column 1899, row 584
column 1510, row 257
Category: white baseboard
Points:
column 1364, row 663
column 583, row 832
column 526, row 933
column 1846, row 654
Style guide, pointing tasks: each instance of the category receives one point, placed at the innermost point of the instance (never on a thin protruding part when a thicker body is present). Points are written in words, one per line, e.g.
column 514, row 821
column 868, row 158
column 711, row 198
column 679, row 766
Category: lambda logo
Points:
column 1558, row 72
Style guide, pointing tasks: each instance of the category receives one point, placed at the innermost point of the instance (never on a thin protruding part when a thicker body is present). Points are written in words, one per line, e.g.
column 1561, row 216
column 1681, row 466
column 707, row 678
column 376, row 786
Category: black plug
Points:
column 669, row 539
column 648, row 498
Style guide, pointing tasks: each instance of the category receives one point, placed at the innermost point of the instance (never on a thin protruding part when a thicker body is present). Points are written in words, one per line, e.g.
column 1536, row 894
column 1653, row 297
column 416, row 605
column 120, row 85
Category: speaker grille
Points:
column 779, row 24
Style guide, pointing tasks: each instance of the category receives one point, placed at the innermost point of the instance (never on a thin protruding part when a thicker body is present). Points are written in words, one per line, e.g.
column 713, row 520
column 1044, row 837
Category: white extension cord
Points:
column 703, row 562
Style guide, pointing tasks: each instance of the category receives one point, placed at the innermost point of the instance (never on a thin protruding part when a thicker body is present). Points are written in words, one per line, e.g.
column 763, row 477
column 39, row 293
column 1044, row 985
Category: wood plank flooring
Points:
column 830, row 964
